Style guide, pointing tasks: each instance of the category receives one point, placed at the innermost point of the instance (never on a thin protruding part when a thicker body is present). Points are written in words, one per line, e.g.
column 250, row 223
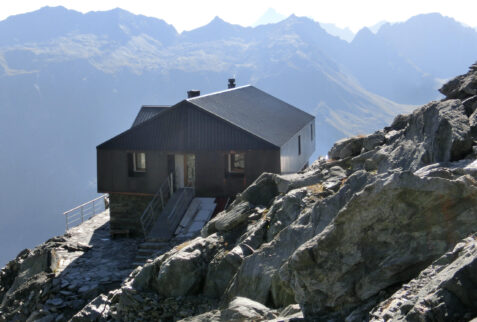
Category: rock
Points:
column 373, row 140
column 437, row 132
column 184, row 272
column 385, row 235
column 473, row 125
column 242, row 308
column 292, row 311
column 261, row 192
column 445, row 290
column 41, row 260
column 56, row 301
column 227, row 220
column 256, row 274
column 96, row 310
column 222, row 269
column 284, row 211
column 239, row 309
column 470, row 105
column 346, row 148
column 461, row 87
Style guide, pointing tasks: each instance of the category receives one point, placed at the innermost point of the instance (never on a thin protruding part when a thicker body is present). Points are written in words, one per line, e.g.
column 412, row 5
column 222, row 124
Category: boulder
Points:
column 239, row 309
column 184, row 272
column 222, row 269
column 461, row 87
column 228, row 219
column 284, row 211
column 257, row 272
column 445, row 290
column 384, row 236
column 346, row 148
column 96, row 310
column 262, row 191
column 437, row 132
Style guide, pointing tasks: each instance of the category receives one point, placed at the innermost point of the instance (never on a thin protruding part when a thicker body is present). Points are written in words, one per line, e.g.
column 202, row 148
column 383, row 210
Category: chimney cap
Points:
column 231, row 83
column 193, row 93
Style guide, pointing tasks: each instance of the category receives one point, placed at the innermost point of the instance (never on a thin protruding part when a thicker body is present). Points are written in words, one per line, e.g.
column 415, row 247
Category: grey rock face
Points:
column 437, row 132
column 239, row 309
column 445, row 290
column 346, row 148
column 184, row 272
column 96, row 310
column 227, row 220
column 262, row 191
column 257, row 277
column 56, row 279
column 461, row 87
column 385, row 235
column 284, row 211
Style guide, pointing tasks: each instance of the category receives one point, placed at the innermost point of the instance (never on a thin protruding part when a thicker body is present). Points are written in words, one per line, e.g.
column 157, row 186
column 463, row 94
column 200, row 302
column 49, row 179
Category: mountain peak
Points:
column 270, row 16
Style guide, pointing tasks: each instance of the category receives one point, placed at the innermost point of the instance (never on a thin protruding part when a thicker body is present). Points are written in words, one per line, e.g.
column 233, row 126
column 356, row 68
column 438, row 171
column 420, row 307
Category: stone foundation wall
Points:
column 125, row 211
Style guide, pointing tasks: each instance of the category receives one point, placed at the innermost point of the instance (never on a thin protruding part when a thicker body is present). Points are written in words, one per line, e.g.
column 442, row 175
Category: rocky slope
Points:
column 382, row 230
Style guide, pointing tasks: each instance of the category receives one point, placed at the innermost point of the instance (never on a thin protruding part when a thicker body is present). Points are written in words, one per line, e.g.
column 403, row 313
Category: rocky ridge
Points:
column 382, row 230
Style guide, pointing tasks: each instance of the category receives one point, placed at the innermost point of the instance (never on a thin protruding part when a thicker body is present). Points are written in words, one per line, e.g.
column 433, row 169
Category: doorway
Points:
column 184, row 165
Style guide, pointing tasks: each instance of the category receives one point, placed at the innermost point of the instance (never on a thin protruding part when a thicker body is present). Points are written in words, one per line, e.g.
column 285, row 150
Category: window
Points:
column 236, row 162
column 299, row 144
column 311, row 131
column 139, row 159
column 136, row 164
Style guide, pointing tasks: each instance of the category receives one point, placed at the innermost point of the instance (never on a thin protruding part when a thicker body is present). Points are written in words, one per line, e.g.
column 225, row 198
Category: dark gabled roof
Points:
column 184, row 128
column 147, row 112
column 243, row 117
column 256, row 112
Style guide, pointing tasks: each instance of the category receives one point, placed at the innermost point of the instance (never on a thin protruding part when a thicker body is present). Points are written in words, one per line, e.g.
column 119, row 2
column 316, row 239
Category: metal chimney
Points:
column 193, row 93
column 231, row 82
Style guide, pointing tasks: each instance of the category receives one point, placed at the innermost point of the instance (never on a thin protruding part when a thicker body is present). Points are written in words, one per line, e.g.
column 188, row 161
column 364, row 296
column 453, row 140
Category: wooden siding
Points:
column 113, row 174
column 290, row 160
column 212, row 177
column 186, row 128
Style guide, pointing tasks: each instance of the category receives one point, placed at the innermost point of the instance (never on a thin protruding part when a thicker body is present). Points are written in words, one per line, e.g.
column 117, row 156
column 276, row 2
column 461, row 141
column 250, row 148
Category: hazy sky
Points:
column 189, row 14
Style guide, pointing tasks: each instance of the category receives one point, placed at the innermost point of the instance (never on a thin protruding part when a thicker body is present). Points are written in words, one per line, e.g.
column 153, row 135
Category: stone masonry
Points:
column 126, row 210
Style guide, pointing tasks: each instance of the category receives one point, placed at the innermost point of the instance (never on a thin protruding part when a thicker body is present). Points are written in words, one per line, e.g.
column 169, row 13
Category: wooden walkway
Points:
column 170, row 217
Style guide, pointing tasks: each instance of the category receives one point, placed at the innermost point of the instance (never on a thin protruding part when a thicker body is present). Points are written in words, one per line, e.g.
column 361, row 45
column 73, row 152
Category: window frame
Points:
column 135, row 161
column 299, row 144
column 230, row 167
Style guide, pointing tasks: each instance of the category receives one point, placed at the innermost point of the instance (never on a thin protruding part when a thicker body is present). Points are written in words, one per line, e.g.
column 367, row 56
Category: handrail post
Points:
column 82, row 219
column 171, row 183
column 66, row 218
column 162, row 198
column 94, row 210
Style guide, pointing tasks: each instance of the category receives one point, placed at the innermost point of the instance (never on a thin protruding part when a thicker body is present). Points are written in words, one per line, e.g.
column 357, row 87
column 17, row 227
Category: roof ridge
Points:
column 219, row 92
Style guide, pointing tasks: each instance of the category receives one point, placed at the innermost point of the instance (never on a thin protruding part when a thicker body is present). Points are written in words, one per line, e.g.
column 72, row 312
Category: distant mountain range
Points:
column 270, row 16
column 69, row 81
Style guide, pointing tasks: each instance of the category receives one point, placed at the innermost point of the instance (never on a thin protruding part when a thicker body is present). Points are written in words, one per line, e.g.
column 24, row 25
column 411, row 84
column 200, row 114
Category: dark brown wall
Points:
column 113, row 174
column 213, row 180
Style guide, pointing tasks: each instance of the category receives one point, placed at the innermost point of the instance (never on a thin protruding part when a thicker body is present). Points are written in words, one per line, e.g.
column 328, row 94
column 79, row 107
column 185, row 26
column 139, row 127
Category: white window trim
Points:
column 229, row 163
column 135, row 168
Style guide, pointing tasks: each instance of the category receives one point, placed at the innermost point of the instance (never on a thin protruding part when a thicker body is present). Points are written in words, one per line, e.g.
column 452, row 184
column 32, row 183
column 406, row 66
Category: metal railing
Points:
column 180, row 207
column 157, row 204
column 83, row 212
